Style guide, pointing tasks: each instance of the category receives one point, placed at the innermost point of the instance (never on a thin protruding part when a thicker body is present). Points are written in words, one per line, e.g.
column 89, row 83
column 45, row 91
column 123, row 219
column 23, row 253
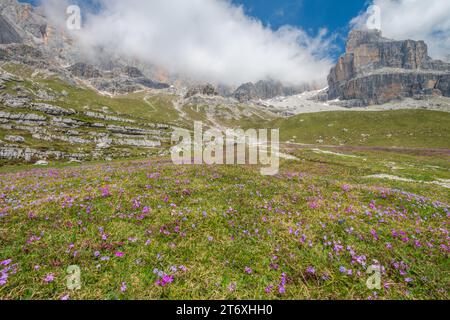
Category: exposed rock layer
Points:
column 376, row 70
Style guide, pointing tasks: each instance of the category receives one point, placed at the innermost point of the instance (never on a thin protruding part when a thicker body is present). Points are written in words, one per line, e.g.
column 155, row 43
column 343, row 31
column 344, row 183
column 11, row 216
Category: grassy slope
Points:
column 157, row 109
column 403, row 128
column 216, row 222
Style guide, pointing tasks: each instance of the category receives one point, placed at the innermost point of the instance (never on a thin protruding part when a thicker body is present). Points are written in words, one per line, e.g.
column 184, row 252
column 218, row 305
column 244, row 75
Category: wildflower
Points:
column 182, row 268
column 313, row 205
column 268, row 289
column 165, row 280
column 346, row 187
column 5, row 262
column 374, row 234
column 282, row 286
column 3, row 278
column 123, row 287
column 282, row 289
column 120, row 254
column 311, row 270
column 146, row 210
column 49, row 278
column 65, row 297
column 136, row 204
column 248, row 270
column 232, row 287
column 342, row 269
column 105, row 192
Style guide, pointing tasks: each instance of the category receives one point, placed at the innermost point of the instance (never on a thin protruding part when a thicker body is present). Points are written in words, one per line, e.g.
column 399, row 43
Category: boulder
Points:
column 15, row 139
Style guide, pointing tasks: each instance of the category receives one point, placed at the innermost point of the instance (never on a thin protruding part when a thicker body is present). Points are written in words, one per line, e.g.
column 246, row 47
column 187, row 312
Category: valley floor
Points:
column 148, row 229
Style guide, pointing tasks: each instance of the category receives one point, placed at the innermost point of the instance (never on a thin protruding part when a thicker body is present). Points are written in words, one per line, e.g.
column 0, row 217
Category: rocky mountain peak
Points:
column 375, row 70
column 359, row 37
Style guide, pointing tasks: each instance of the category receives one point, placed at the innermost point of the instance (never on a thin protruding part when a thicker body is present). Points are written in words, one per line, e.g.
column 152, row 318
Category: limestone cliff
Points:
column 376, row 70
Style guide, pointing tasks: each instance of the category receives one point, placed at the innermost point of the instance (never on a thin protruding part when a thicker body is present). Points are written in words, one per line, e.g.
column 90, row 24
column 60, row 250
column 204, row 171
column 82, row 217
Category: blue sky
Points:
column 310, row 15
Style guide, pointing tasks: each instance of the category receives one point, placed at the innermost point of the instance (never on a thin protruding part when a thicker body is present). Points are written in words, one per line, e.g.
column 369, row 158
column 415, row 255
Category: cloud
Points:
column 208, row 40
column 415, row 19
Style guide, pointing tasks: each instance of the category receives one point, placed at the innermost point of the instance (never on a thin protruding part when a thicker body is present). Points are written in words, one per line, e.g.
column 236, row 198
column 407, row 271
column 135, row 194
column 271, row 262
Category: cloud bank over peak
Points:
column 208, row 40
column 417, row 20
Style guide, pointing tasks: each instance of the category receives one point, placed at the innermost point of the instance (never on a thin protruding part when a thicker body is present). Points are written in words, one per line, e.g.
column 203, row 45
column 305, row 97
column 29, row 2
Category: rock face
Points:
column 376, row 70
column 118, row 81
column 265, row 89
column 206, row 90
column 84, row 71
column 7, row 33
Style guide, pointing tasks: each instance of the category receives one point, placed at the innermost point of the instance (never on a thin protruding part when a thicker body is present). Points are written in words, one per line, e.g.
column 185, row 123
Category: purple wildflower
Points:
column 165, row 280
column 49, row 278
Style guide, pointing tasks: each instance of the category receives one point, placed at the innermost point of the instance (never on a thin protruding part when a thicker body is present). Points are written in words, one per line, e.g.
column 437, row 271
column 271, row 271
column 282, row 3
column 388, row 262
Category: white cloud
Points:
column 418, row 20
column 210, row 40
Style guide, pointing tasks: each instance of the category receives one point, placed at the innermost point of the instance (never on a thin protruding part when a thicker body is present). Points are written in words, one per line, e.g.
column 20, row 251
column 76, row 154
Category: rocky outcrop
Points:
column 15, row 102
column 51, row 110
column 376, row 70
column 29, row 154
column 266, row 89
column 102, row 116
column 206, row 90
column 17, row 139
column 84, row 71
column 21, row 116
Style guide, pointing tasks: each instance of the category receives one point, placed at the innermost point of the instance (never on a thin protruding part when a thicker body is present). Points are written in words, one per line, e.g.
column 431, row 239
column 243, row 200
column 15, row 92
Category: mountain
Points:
column 376, row 70
column 266, row 89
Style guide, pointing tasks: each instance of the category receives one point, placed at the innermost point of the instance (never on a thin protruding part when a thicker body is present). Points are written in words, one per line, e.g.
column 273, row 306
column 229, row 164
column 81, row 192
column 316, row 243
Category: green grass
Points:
column 402, row 128
column 217, row 221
